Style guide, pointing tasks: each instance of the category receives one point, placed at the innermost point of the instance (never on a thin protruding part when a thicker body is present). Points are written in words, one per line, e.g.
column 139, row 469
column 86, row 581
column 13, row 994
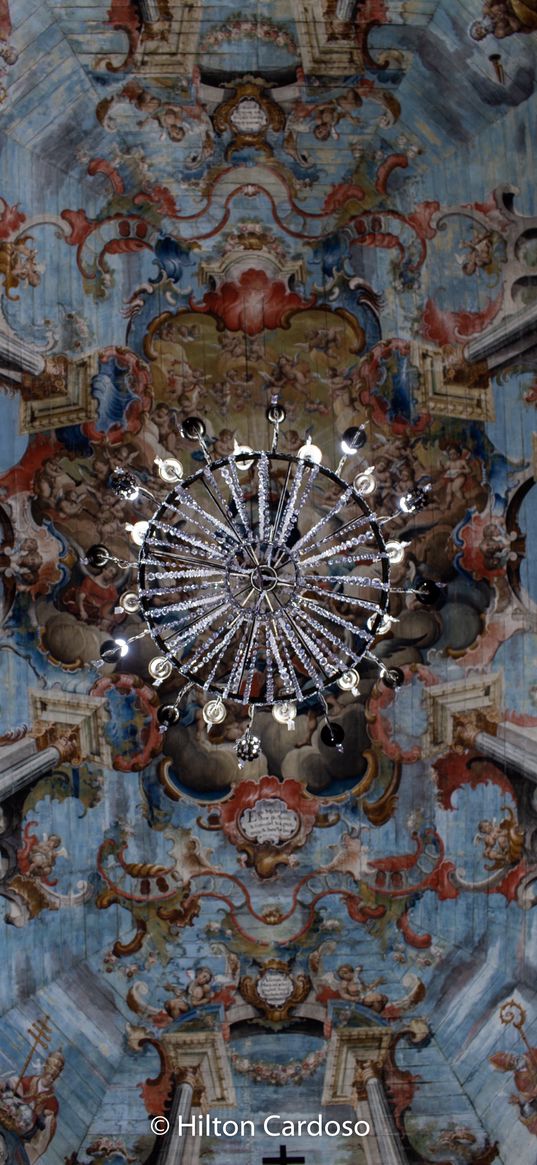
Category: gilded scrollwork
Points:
column 249, row 114
column 276, row 991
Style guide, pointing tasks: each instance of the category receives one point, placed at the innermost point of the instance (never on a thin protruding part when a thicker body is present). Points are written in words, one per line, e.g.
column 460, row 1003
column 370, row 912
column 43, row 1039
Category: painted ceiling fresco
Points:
column 202, row 207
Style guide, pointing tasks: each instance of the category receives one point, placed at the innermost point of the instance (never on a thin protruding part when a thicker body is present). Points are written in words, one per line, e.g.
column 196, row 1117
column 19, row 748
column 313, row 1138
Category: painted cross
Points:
column 283, row 1159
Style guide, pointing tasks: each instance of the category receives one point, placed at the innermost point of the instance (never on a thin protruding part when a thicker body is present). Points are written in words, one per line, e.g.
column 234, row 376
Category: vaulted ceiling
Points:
column 201, row 208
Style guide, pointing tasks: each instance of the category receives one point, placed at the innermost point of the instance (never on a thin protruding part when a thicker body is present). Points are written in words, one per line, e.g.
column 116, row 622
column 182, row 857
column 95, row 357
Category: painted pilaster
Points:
column 383, row 1125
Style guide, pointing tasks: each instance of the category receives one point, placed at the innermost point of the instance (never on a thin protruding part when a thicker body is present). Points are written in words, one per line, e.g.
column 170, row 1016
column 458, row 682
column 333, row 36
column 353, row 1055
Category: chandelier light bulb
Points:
column 242, row 463
column 393, row 677
column 396, row 551
column 137, row 531
column 364, row 483
column 310, row 452
column 110, row 652
column 214, row 712
column 123, row 646
column 169, row 469
column 285, row 713
column 276, row 413
column 430, row 593
column 349, row 681
column 159, row 669
column 193, row 429
column 129, row 602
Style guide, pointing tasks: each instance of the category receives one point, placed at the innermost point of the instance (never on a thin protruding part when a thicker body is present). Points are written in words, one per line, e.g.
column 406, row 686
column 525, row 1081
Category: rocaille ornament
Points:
column 264, row 579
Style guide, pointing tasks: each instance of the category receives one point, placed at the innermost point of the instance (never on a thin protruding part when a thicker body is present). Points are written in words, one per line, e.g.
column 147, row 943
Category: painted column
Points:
column 174, row 1145
column 387, row 1138
column 513, row 747
column 345, row 9
column 37, row 753
column 23, row 356
column 505, row 342
column 507, row 754
column 192, row 1149
column 370, row 1143
column 149, row 11
column 22, row 770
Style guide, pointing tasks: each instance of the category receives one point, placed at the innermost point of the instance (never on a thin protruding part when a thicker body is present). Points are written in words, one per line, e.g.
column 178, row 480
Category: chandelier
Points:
column 264, row 579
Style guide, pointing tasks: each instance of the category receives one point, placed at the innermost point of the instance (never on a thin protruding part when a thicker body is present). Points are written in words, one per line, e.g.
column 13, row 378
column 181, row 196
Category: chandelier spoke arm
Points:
column 349, row 580
column 327, row 635
column 187, row 501
column 179, row 532
column 231, row 476
column 279, row 510
column 301, row 649
column 190, row 540
column 193, row 544
column 155, row 592
column 214, row 646
column 341, row 598
column 314, row 647
column 291, row 671
column 298, row 504
column 269, row 667
column 181, row 575
column 332, row 513
column 334, row 551
column 263, row 478
column 281, row 531
column 204, row 563
column 199, row 624
column 354, row 523
column 185, row 605
column 286, row 669
column 249, row 661
column 337, row 619
column 238, row 667
column 158, row 592
column 222, row 506
column 293, row 632
column 220, row 652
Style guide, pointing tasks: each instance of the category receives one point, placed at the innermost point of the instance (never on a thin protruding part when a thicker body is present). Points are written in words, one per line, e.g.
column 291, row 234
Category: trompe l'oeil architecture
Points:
column 268, row 690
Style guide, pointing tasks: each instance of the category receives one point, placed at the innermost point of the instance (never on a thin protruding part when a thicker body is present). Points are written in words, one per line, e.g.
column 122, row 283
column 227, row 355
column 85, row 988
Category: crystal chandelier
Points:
column 264, row 578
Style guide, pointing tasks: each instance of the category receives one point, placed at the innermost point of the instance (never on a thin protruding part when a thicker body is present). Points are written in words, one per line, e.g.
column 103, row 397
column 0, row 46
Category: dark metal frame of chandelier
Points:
column 235, row 525
column 377, row 611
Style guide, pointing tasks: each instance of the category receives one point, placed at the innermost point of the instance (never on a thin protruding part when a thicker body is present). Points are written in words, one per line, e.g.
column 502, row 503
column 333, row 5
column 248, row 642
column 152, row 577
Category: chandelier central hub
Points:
column 261, row 578
column 264, row 578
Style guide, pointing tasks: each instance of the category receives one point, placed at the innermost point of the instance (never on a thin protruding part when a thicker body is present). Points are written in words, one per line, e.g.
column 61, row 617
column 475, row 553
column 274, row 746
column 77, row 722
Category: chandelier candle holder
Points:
column 264, row 578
